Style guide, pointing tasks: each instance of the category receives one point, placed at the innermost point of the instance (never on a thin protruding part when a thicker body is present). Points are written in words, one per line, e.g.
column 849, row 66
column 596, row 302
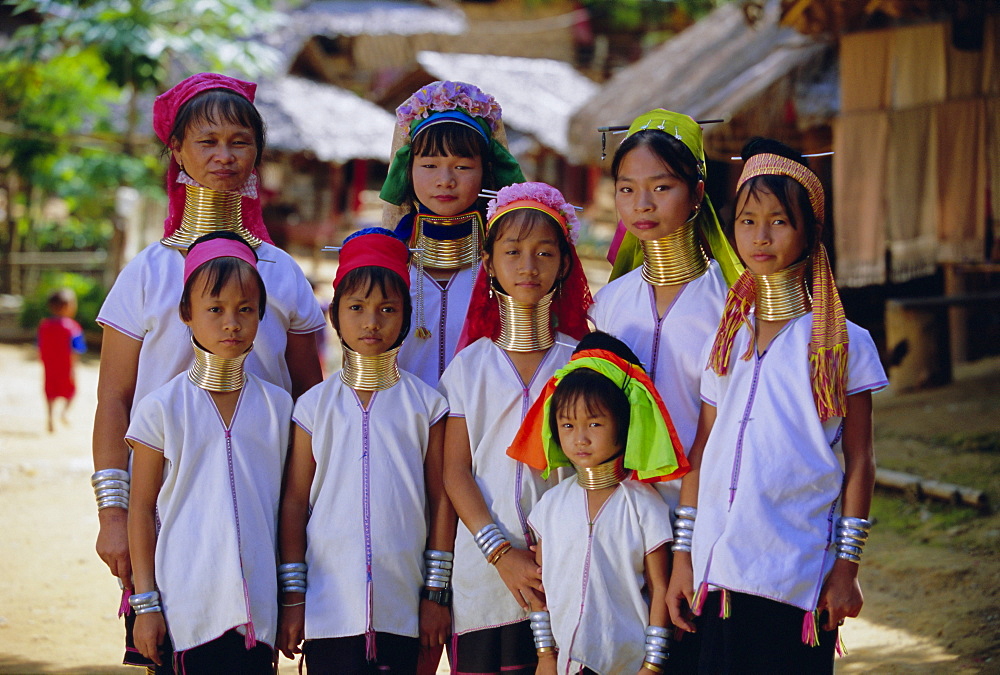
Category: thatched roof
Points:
column 357, row 17
column 354, row 18
column 538, row 96
column 333, row 124
column 721, row 67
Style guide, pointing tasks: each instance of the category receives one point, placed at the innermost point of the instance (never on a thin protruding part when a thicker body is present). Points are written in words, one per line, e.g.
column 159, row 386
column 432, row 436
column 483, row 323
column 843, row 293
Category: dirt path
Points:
column 929, row 609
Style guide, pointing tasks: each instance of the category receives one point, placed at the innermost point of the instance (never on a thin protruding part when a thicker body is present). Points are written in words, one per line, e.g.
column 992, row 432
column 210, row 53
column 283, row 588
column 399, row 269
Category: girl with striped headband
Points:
column 784, row 445
column 366, row 532
column 208, row 451
column 449, row 145
column 527, row 311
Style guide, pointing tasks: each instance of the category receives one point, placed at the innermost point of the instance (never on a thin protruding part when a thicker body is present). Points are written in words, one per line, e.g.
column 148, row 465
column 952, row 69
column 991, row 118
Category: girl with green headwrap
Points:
column 448, row 146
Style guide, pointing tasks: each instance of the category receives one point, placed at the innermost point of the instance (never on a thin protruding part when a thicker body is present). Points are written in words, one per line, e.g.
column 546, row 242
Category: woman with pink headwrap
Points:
column 215, row 139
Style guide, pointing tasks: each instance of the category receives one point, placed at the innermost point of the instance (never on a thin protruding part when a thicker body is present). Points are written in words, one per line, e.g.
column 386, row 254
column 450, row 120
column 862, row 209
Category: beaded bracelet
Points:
column 851, row 537
column 145, row 603
column 541, row 630
column 657, row 648
column 683, row 528
column 292, row 577
column 490, row 541
column 111, row 488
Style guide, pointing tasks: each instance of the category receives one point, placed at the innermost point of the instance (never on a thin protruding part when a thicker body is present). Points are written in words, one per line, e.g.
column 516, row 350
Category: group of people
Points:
column 538, row 479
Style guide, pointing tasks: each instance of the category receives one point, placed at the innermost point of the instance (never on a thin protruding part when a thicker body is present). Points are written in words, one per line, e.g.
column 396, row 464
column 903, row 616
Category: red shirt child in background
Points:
column 60, row 338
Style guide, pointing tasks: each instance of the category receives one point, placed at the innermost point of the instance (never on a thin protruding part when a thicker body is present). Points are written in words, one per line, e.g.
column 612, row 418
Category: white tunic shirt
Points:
column 593, row 574
column 483, row 386
column 367, row 530
column 669, row 346
column 218, row 506
column 445, row 308
column 143, row 305
column 772, row 473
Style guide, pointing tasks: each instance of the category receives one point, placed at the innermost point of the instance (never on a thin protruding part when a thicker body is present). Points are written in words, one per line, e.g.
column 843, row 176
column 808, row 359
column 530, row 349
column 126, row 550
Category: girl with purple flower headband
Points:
column 449, row 144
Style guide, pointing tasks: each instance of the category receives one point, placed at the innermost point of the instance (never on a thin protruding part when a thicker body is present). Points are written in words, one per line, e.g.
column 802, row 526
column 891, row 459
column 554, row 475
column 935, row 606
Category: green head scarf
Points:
column 687, row 131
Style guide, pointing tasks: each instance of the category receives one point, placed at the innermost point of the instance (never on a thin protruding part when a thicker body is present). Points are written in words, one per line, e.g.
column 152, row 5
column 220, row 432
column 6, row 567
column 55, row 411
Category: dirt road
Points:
column 928, row 610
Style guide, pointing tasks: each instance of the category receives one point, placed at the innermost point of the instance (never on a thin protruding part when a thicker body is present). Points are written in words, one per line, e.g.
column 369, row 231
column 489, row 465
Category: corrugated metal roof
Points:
column 714, row 69
column 538, row 96
column 334, row 124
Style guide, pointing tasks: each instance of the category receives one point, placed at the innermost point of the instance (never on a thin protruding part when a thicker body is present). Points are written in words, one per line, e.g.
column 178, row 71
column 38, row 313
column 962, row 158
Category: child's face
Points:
column 652, row 201
column 67, row 310
column 447, row 185
column 370, row 324
column 526, row 268
column 217, row 155
column 766, row 239
column 226, row 324
column 587, row 436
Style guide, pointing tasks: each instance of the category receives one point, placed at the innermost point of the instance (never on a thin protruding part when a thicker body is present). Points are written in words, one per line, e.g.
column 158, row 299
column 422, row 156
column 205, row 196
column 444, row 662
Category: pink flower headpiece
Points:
column 443, row 96
column 540, row 196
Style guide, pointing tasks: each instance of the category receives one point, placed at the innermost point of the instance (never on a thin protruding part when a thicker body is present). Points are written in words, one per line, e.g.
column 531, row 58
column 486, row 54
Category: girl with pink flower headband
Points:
column 527, row 312
column 449, row 145
column 214, row 138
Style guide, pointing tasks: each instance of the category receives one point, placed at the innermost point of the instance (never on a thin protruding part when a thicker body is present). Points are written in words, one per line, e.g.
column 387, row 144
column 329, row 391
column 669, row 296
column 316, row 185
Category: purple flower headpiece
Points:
column 447, row 95
column 548, row 200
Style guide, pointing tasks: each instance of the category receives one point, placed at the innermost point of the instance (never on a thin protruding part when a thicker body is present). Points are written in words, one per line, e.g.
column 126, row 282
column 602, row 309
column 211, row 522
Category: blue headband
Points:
column 455, row 116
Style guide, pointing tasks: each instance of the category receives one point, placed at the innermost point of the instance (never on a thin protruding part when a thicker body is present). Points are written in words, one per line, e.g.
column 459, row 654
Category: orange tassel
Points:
column 738, row 303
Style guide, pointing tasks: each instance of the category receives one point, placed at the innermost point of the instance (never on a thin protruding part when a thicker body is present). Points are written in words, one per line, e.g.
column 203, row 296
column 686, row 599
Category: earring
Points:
column 489, row 284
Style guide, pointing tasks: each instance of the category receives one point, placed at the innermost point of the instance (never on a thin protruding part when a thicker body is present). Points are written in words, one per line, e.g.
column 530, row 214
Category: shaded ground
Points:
column 930, row 574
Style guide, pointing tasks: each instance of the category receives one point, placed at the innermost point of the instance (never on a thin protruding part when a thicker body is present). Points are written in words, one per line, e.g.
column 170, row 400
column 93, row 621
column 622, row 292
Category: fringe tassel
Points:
column 828, row 343
column 725, row 605
column 250, row 640
column 738, row 303
column 810, row 635
column 698, row 601
column 370, row 651
column 828, row 370
column 124, row 609
column 840, row 646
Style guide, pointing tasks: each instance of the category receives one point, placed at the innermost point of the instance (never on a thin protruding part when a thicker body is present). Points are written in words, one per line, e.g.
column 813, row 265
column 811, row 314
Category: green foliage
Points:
column 89, row 294
column 136, row 39
column 641, row 15
column 925, row 521
column 73, row 235
column 981, row 442
column 42, row 104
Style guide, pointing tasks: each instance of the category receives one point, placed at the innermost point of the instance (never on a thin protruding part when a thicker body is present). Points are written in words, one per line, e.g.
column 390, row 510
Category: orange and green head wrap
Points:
column 626, row 253
column 828, row 343
column 652, row 449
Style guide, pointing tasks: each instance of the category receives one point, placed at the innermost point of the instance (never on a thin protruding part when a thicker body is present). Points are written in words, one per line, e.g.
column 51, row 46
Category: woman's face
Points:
column 766, row 238
column 219, row 155
column 526, row 268
column 652, row 201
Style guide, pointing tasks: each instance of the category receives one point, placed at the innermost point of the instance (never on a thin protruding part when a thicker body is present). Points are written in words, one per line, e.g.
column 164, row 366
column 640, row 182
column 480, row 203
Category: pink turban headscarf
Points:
column 165, row 109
